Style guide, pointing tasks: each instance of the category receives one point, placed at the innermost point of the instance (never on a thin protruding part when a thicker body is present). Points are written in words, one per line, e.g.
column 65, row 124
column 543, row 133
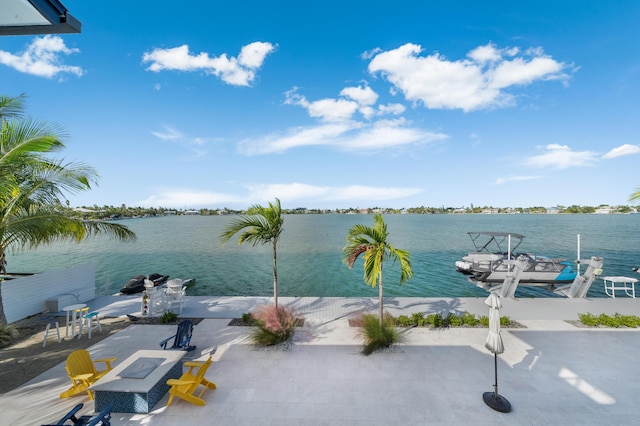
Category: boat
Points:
column 535, row 270
column 489, row 247
column 136, row 283
column 492, row 262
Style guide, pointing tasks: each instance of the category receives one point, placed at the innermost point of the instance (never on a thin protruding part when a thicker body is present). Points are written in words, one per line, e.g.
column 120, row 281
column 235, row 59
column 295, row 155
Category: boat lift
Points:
column 582, row 283
column 577, row 289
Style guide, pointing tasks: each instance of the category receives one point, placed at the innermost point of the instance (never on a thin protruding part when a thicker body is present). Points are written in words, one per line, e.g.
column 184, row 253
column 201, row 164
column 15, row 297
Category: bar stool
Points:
column 50, row 320
column 92, row 321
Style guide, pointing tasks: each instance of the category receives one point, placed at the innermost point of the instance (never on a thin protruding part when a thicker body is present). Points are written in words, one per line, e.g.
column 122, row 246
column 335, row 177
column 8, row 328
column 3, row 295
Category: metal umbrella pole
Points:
column 495, row 345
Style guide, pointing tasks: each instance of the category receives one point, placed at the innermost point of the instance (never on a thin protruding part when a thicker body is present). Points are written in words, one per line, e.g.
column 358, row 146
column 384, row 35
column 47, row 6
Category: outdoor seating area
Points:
column 187, row 385
column 139, row 382
column 103, row 418
column 182, row 338
column 324, row 379
column 83, row 373
column 157, row 300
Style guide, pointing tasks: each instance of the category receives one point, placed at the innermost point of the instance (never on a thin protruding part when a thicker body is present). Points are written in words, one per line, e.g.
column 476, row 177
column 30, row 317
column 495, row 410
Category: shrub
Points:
column 405, row 321
column 484, row 321
column 416, row 319
column 629, row 321
column 466, row 319
column 605, row 320
column 589, row 320
column 7, row 333
column 378, row 335
column 469, row 319
column 453, row 320
column 168, row 317
column 435, row 320
column 273, row 325
column 247, row 318
column 505, row 321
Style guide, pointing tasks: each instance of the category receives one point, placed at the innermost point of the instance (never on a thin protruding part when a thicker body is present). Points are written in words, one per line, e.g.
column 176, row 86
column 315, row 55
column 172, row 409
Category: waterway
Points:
column 309, row 253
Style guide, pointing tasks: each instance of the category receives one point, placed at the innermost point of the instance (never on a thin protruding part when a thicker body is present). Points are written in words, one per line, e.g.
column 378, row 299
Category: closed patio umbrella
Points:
column 495, row 345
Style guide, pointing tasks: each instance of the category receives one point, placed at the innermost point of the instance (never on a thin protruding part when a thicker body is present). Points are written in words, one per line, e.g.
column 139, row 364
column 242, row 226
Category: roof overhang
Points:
column 26, row 17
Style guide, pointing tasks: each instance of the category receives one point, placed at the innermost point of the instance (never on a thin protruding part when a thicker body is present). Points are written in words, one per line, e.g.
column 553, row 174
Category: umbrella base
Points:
column 498, row 403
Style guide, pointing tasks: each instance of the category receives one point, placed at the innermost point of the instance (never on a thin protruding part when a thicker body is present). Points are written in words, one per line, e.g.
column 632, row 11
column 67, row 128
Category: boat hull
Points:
column 536, row 271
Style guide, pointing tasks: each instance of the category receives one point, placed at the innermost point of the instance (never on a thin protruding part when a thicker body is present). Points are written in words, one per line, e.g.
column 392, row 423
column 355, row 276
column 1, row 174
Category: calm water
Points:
column 309, row 253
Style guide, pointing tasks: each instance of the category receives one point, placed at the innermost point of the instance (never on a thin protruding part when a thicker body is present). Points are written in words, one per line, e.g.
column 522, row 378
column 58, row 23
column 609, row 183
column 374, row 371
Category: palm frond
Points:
column 33, row 186
column 11, row 106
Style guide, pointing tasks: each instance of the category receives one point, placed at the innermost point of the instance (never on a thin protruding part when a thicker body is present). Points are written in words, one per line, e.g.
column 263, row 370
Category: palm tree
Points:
column 261, row 225
column 372, row 241
column 635, row 195
column 33, row 187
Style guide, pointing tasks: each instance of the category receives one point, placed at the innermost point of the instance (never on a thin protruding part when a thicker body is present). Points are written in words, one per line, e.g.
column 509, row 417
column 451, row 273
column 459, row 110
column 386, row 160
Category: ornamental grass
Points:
column 274, row 325
column 378, row 335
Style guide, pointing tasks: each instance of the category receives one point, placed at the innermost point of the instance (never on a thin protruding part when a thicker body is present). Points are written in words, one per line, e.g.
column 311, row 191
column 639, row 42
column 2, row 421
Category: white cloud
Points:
column 195, row 145
column 168, row 134
column 298, row 192
column 394, row 109
column 477, row 82
column 42, row 58
column 341, row 127
column 363, row 95
column 622, row 150
column 346, row 136
column 354, row 99
column 289, row 194
column 238, row 71
column 561, row 157
column 189, row 198
column 332, row 109
column 500, row 181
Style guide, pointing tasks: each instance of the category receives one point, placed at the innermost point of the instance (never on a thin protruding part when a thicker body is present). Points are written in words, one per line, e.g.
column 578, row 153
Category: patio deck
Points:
column 551, row 371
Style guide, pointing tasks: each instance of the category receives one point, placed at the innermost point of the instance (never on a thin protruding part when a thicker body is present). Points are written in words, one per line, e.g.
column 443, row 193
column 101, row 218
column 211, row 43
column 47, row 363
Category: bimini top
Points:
column 493, row 242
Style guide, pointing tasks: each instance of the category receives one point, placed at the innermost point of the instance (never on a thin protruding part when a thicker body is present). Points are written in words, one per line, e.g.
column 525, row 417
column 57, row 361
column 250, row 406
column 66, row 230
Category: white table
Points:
column 130, row 394
column 73, row 317
column 628, row 285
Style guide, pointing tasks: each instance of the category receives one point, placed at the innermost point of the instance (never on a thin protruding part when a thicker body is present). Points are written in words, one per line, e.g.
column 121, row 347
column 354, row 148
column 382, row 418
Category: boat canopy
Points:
column 493, row 242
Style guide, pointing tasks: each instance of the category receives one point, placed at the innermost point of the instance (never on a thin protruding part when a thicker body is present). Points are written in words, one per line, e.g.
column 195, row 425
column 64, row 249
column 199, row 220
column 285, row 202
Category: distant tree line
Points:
column 125, row 212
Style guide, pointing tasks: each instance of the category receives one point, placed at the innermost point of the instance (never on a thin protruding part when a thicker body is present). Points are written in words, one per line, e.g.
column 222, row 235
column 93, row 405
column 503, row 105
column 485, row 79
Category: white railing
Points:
column 48, row 291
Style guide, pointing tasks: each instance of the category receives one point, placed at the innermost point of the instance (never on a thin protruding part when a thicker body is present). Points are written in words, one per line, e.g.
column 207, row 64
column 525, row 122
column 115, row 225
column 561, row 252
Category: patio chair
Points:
column 102, row 418
column 83, row 373
column 51, row 320
column 185, row 387
column 175, row 294
column 182, row 338
column 90, row 321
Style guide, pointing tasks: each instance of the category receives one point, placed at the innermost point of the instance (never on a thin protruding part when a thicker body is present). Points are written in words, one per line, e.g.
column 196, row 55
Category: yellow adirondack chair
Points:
column 83, row 373
column 185, row 387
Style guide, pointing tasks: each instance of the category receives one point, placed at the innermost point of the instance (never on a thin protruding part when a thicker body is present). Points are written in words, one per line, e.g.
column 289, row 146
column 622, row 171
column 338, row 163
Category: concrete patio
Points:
column 551, row 371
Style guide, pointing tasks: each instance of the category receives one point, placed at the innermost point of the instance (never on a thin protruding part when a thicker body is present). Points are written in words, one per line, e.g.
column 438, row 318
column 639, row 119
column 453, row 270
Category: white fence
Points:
column 48, row 291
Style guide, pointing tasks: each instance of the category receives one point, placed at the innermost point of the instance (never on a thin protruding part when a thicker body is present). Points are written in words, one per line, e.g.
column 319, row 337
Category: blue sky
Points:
column 342, row 104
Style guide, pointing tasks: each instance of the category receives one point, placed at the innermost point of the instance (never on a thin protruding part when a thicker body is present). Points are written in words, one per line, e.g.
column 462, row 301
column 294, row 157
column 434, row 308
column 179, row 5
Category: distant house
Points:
column 604, row 210
column 191, row 212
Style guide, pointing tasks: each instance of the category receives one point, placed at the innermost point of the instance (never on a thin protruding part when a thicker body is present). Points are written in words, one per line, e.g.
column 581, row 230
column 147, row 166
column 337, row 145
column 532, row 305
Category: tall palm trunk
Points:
column 380, row 294
column 275, row 276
